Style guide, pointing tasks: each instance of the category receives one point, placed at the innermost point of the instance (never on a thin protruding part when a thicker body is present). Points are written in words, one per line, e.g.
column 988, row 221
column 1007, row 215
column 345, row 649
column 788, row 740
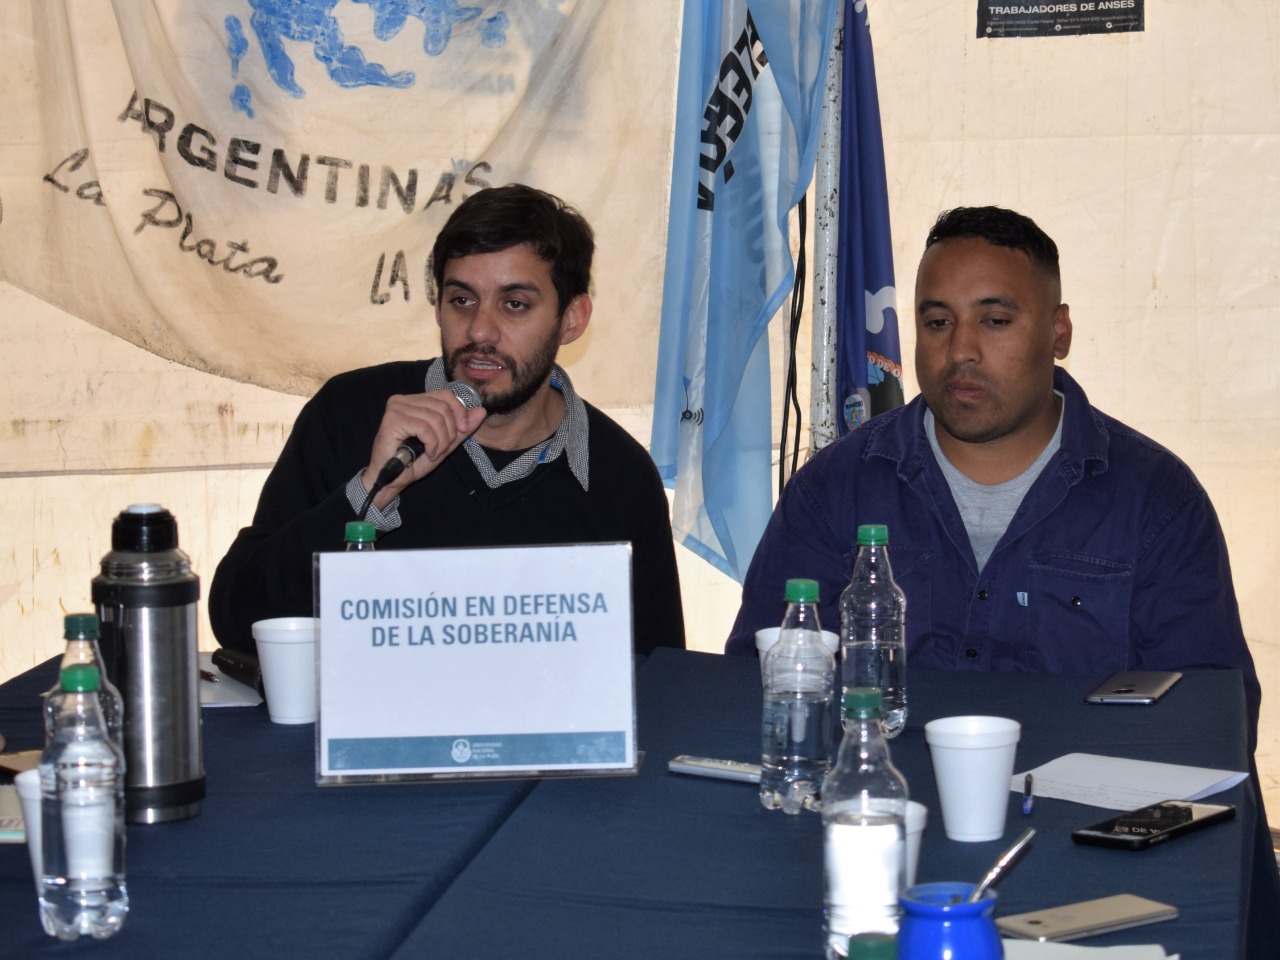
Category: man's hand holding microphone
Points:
column 417, row 432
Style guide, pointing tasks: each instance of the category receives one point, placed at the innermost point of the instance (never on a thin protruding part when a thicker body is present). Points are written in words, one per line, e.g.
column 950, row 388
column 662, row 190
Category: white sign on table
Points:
column 501, row 661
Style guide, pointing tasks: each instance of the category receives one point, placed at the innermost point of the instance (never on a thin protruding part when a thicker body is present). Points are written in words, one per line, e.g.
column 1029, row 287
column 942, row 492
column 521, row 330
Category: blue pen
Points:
column 1028, row 801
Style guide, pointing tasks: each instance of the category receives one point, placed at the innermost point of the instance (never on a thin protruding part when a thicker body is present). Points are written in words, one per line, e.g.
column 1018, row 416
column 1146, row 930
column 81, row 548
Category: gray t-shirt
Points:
column 987, row 508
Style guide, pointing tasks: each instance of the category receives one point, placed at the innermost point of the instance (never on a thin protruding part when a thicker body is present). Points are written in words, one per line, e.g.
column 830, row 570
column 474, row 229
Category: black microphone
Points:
column 411, row 449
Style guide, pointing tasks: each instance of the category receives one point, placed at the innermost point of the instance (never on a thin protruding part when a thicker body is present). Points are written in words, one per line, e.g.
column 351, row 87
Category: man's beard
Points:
column 525, row 380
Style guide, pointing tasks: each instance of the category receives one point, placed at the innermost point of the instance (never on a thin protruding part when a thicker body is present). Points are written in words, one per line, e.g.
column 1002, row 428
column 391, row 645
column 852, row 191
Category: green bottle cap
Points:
column 873, row 946
column 863, row 703
column 80, row 678
column 358, row 531
column 873, row 535
column 80, row 626
column 802, row 591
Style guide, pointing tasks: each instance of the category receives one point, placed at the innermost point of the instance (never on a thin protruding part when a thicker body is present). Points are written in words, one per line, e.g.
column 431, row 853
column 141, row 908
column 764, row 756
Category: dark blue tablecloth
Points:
column 652, row 865
column 274, row 866
column 680, row 867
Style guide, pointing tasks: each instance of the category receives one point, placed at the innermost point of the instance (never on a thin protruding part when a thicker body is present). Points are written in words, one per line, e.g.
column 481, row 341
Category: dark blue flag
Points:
column 869, row 367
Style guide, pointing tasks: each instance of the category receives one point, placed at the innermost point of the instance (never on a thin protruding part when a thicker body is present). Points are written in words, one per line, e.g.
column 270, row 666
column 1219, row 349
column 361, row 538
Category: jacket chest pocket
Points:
column 1078, row 613
column 911, row 572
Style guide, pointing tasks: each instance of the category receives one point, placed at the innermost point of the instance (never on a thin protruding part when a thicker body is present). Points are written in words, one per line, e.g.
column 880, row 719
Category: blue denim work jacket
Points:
column 1114, row 561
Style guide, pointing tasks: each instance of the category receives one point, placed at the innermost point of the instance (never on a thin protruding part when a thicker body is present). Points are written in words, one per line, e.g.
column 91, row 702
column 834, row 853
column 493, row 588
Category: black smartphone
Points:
column 1134, row 686
column 1145, row 827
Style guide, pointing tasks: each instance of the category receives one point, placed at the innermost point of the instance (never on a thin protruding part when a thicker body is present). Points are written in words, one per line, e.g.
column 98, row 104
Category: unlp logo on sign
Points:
column 506, row 661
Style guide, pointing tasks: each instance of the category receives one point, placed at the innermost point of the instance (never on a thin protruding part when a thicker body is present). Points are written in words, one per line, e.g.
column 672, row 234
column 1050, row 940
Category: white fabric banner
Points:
column 252, row 187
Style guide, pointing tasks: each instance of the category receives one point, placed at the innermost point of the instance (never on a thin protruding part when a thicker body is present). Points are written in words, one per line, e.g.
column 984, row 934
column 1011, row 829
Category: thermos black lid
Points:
column 144, row 528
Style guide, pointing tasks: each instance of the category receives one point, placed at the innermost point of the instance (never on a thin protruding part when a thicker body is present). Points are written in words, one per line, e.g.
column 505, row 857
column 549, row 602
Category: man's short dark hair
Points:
column 498, row 218
column 1000, row 227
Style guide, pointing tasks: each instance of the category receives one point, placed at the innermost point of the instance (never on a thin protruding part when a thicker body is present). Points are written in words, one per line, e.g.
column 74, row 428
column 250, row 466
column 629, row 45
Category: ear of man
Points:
column 574, row 320
column 1061, row 331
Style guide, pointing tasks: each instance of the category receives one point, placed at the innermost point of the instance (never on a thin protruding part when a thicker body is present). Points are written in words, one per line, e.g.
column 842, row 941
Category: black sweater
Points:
column 304, row 509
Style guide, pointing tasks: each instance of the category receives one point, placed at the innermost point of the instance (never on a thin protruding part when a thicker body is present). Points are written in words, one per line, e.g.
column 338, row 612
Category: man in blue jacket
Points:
column 1029, row 530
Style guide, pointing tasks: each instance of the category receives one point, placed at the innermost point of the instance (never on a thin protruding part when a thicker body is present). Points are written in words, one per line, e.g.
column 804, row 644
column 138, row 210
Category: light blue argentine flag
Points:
column 749, row 101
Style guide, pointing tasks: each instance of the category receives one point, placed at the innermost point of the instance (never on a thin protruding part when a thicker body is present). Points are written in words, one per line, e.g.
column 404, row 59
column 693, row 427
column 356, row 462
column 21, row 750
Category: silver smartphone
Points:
column 1134, row 686
column 1086, row 919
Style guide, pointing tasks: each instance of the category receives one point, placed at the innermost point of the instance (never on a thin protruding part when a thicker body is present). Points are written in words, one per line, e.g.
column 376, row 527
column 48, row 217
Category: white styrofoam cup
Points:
column 768, row 636
column 972, row 763
column 917, row 816
column 287, row 653
column 28, row 785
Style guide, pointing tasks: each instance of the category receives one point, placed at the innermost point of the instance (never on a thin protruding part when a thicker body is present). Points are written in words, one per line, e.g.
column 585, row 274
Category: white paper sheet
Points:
column 1121, row 784
column 1035, row 950
column 226, row 692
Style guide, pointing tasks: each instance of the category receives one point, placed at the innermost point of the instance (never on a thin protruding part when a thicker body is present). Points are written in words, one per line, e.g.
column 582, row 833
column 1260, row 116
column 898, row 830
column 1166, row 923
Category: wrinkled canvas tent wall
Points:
column 208, row 208
column 252, row 189
column 1152, row 158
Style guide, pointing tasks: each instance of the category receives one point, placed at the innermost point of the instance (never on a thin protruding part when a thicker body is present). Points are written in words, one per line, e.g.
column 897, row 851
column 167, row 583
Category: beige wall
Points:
column 88, row 401
column 1153, row 159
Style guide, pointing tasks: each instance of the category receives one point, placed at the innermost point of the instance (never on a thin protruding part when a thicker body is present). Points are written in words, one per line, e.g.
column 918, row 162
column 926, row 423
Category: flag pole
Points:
column 826, row 190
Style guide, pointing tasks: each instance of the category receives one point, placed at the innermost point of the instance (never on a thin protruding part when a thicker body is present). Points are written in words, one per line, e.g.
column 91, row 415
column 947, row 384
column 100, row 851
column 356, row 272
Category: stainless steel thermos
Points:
column 146, row 601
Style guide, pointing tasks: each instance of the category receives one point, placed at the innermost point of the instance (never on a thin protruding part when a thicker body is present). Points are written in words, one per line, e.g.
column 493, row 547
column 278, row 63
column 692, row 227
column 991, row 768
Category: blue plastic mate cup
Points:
column 938, row 923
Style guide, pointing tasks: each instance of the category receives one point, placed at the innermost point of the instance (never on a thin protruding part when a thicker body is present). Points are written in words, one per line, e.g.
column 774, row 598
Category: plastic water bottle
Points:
column 799, row 675
column 80, row 630
column 864, row 809
column 873, row 635
column 82, row 890
column 360, row 537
